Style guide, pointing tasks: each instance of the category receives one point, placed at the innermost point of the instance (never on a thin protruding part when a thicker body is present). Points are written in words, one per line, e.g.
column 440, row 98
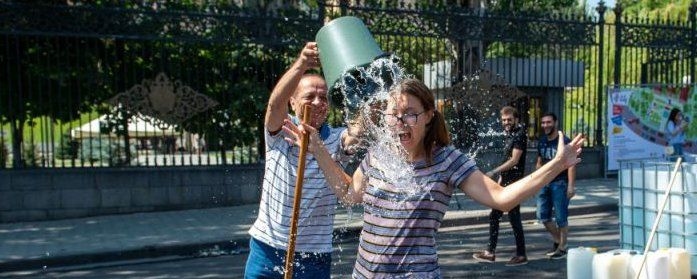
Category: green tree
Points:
column 239, row 51
column 43, row 66
column 657, row 9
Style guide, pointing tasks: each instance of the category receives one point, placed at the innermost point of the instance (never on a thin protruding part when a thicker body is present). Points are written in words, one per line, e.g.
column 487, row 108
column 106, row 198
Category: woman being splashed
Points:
column 398, row 236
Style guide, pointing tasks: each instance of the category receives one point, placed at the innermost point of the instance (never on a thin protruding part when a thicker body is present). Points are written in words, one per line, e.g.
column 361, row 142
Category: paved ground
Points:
column 456, row 245
column 54, row 244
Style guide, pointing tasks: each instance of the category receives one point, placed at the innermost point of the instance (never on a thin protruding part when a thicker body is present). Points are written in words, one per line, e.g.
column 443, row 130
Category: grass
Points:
column 41, row 130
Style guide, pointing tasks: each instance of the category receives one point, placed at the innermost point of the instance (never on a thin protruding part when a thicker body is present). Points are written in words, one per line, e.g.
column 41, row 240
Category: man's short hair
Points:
column 509, row 110
column 550, row 114
column 308, row 75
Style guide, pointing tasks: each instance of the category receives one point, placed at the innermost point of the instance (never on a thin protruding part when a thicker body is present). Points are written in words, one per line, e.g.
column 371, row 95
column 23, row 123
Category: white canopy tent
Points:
column 138, row 126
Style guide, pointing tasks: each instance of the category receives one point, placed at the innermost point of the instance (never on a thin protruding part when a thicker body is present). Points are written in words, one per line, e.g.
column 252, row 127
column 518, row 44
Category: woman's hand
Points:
column 294, row 135
column 569, row 154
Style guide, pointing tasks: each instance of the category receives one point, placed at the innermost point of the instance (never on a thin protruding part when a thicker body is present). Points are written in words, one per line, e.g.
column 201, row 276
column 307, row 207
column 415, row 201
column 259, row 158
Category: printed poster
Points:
column 637, row 117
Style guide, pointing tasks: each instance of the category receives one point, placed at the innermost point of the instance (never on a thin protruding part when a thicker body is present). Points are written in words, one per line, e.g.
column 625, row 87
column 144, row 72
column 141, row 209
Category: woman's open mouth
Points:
column 404, row 136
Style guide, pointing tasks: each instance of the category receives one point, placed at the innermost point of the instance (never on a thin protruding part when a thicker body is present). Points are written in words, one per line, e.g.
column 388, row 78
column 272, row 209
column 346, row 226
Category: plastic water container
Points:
column 682, row 203
column 690, row 158
column 631, row 236
column 679, row 263
column 610, row 265
column 658, row 264
column 686, row 224
column 579, row 263
column 690, row 177
column 665, row 263
column 642, row 189
column 633, row 268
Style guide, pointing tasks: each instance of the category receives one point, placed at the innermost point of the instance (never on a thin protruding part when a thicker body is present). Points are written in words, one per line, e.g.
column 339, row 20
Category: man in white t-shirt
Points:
column 270, row 232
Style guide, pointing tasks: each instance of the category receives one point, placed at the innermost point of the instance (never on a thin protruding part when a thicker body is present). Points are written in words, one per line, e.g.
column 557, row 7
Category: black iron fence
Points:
column 129, row 85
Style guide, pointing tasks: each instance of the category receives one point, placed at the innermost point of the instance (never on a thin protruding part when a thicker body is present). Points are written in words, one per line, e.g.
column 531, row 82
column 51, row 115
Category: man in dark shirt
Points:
column 512, row 169
column 555, row 196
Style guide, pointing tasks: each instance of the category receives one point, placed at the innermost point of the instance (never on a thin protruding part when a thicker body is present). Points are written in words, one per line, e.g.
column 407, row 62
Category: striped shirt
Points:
column 317, row 205
column 399, row 230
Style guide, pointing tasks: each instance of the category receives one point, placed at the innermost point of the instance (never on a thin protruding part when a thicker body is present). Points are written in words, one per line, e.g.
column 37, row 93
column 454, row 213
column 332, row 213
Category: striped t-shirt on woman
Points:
column 399, row 230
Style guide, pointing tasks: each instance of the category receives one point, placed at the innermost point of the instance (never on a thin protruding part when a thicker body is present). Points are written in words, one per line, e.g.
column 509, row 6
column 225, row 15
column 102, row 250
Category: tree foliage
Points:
column 230, row 53
column 657, row 9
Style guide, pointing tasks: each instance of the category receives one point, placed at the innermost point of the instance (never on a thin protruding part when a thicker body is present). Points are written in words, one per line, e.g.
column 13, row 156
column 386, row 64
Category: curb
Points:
column 237, row 245
column 190, row 250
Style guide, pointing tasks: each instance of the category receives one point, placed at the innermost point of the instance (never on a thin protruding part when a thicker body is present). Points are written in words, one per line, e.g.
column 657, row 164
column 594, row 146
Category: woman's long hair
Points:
column 437, row 132
column 673, row 114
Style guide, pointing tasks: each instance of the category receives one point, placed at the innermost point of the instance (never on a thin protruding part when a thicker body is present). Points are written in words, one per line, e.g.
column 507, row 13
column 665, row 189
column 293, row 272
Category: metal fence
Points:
column 95, row 86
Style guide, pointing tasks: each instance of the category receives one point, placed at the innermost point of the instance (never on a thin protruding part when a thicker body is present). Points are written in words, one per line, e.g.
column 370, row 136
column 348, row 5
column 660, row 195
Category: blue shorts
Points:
column 677, row 152
column 554, row 196
column 265, row 261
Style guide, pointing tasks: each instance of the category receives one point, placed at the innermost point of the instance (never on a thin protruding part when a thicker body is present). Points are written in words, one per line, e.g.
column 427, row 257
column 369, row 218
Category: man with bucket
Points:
column 271, row 233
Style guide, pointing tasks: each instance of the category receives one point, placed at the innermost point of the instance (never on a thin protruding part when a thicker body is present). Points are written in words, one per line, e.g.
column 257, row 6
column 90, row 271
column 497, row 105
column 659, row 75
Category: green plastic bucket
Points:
column 345, row 43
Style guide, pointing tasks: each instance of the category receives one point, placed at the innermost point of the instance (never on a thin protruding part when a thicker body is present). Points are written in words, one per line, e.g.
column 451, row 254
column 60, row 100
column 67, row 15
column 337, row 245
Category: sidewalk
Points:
column 36, row 245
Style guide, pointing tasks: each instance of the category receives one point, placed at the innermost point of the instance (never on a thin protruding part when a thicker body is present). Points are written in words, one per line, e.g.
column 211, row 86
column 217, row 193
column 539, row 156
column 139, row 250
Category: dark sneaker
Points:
column 551, row 251
column 517, row 260
column 559, row 254
column 484, row 256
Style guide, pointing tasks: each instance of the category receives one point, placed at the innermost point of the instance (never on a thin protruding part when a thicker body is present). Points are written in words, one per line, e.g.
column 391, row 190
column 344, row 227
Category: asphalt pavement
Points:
column 455, row 247
column 60, row 244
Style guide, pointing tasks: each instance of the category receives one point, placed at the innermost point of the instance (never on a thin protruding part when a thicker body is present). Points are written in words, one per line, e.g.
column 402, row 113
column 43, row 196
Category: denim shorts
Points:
column 265, row 261
column 553, row 195
column 677, row 152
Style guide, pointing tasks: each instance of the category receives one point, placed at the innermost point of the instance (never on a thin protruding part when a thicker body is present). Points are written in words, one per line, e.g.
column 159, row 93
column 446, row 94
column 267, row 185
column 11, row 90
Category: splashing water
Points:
column 471, row 112
column 471, row 115
column 366, row 91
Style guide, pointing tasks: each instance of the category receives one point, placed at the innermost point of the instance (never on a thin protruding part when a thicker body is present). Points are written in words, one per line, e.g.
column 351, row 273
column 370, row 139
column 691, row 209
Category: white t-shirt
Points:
column 318, row 203
column 674, row 139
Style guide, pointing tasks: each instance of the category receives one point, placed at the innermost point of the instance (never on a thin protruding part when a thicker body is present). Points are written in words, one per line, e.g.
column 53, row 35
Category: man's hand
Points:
column 570, row 192
column 277, row 108
column 309, row 56
column 491, row 174
column 294, row 135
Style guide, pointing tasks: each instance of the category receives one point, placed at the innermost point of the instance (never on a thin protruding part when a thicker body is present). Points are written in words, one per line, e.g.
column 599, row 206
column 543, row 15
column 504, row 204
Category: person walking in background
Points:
column 398, row 239
column 675, row 132
column 270, row 231
column 554, row 196
column 511, row 170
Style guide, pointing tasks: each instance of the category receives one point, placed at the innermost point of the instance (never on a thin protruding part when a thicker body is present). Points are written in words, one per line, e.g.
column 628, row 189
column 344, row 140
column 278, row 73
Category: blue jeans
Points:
column 265, row 261
column 553, row 196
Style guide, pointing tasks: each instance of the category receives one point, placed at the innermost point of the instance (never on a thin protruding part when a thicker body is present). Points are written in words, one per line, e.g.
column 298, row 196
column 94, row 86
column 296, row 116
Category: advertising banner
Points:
column 637, row 117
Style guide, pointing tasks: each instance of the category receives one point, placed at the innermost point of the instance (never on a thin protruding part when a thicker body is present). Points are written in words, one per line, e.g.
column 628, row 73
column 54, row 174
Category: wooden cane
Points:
column 307, row 111
column 674, row 174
